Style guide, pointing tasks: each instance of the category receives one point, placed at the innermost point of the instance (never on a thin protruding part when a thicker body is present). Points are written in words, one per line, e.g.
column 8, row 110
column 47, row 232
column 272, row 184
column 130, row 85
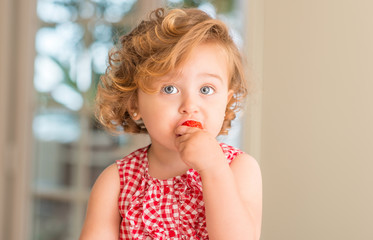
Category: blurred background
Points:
column 52, row 150
column 308, row 120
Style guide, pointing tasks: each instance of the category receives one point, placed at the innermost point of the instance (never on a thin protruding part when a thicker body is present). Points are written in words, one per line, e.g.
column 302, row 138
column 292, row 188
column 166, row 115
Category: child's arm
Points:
column 232, row 193
column 233, row 200
column 103, row 219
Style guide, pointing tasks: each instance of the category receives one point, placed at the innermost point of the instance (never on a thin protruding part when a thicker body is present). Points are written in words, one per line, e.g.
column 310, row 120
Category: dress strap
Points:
column 230, row 152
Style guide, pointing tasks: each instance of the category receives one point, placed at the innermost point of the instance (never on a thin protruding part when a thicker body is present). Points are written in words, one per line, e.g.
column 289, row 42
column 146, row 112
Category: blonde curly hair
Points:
column 153, row 49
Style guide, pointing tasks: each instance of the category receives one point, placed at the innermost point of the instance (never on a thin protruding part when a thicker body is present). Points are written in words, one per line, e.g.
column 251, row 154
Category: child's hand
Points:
column 198, row 149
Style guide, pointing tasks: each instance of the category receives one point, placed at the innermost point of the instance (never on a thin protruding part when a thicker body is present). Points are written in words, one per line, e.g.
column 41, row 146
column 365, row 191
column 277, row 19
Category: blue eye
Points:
column 170, row 89
column 207, row 90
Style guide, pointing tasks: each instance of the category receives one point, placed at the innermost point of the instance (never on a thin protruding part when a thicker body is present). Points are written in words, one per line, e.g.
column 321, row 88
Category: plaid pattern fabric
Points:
column 161, row 209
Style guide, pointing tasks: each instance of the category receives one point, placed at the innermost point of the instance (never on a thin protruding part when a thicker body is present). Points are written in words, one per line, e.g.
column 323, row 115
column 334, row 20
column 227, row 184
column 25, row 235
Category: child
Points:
column 177, row 77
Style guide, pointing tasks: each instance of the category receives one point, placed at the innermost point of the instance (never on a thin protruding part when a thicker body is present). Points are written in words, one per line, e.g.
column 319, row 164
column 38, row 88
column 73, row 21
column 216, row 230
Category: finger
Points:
column 181, row 140
column 182, row 130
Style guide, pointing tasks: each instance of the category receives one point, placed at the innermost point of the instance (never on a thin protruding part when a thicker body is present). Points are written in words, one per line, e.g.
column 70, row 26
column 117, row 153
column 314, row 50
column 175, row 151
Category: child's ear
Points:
column 230, row 95
column 133, row 110
column 135, row 115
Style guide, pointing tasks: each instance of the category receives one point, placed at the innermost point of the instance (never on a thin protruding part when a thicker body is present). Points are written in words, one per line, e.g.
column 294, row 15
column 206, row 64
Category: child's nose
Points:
column 189, row 105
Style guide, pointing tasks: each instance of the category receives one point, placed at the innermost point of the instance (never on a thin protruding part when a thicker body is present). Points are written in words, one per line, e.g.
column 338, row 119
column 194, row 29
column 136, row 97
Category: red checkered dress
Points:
column 161, row 209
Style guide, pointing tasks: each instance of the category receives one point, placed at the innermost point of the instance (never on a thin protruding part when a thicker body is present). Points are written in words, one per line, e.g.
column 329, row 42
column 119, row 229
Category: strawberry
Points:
column 192, row 123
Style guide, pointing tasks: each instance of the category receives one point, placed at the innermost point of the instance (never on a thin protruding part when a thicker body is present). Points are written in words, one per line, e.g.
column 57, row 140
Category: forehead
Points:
column 208, row 60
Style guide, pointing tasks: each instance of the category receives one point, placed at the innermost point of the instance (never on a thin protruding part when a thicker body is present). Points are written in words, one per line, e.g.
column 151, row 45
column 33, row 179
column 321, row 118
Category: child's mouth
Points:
column 192, row 123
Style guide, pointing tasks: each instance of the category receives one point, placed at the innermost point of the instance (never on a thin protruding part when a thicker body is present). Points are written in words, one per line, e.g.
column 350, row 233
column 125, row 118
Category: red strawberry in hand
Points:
column 192, row 123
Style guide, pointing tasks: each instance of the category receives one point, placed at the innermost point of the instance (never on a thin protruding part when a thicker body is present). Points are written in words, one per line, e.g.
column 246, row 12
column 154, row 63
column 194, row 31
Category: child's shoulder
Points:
column 134, row 157
column 133, row 165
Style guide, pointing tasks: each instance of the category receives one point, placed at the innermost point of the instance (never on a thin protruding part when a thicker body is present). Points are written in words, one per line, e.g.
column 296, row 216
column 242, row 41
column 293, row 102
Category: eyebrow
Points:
column 212, row 75
column 171, row 77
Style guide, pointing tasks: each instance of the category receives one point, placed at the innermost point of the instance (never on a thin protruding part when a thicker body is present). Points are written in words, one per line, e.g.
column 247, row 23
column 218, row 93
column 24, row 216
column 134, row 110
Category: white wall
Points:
column 316, row 141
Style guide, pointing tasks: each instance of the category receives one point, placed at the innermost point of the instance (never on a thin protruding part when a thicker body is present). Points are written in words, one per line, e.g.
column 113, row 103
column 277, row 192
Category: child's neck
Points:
column 165, row 164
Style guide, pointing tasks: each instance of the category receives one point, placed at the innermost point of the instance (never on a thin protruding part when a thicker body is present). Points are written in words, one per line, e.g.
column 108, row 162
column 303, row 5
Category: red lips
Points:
column 192, row 123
